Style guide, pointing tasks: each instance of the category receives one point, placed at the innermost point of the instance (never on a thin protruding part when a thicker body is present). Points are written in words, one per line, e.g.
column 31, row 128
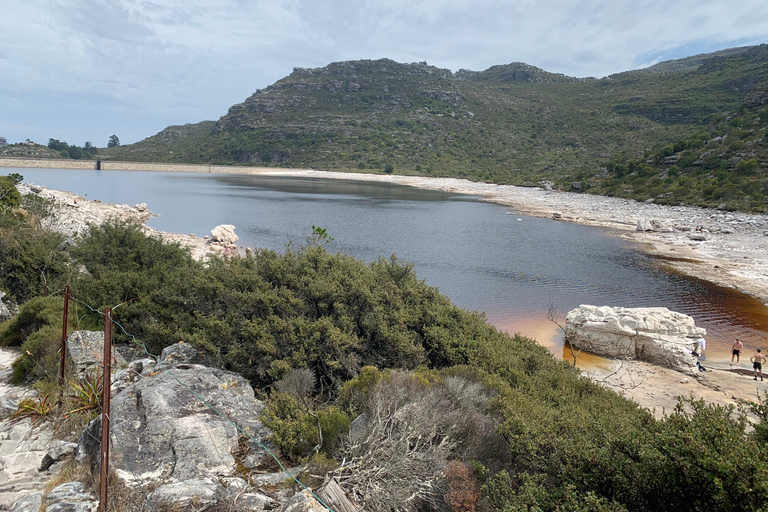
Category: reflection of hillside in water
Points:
column 509, row 266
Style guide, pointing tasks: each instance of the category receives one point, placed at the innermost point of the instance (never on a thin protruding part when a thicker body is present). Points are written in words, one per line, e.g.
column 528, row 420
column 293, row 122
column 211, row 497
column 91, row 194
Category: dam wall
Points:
column 106, row 165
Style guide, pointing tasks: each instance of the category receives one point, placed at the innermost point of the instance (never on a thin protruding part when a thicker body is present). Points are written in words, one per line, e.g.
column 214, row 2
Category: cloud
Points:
column 143, row 64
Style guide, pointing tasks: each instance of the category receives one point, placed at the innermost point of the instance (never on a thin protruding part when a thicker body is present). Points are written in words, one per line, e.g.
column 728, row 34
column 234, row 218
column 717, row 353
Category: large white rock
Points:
column 224, row 233
column 656, row 335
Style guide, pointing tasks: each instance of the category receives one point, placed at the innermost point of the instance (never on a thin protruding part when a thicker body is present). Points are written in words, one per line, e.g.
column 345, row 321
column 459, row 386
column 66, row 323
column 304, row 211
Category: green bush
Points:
column 30, row 260
column 294, row 426
column 9, row 195
column 37, row 329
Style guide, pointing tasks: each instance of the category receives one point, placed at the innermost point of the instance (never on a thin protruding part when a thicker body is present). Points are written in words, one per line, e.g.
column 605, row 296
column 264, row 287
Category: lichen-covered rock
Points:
column 86, row 349
column 178, row 353
column 656, row 335
column 70, row 497
column 30, row 503
column 181, row 495
column 180, row 437
column 304, row 502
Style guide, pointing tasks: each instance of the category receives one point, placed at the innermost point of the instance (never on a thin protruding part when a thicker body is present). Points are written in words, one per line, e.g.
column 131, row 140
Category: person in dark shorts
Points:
column 757, row 363
column 736, row 349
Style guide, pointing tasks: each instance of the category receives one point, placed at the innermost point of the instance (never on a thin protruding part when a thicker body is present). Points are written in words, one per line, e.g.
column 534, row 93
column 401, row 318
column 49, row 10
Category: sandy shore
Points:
column 733, row 253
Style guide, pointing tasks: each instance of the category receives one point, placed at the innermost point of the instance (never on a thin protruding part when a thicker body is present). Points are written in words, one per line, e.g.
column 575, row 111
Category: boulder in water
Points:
column 656, row 335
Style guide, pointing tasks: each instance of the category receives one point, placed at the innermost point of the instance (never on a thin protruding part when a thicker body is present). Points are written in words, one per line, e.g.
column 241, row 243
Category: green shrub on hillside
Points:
column 37, row 329
column 30, row 261
column 9, row 195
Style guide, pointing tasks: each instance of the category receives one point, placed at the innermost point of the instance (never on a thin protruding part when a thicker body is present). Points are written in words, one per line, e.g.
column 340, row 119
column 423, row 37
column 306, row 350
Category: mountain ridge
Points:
column 512, row 123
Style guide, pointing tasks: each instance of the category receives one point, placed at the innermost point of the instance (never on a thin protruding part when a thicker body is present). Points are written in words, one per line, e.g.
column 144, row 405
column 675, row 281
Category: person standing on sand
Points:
column 736, row 349
column 757, row 363
column 702, row 344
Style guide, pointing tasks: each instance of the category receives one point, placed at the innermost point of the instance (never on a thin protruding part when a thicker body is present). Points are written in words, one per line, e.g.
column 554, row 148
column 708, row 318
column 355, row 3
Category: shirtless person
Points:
column 736, row 351
column 757, row 363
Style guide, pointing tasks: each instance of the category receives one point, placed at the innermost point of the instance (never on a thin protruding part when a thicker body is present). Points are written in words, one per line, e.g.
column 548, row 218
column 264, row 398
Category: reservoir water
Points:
column 483, row 256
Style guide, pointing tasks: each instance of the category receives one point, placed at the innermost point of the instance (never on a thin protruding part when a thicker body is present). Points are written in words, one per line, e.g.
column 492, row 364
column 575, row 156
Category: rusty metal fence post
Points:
column 64, row 341
column 107, row 383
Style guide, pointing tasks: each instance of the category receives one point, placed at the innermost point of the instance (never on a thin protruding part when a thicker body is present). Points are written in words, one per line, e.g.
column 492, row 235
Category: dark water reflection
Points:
column 509, row 266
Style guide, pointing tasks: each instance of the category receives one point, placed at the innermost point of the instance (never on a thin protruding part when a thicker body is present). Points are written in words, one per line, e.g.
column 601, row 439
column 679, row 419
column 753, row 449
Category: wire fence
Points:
column 202, row 399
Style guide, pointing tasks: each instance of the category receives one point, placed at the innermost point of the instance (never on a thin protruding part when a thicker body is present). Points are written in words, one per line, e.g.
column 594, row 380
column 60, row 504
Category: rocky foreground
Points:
column 168, row 447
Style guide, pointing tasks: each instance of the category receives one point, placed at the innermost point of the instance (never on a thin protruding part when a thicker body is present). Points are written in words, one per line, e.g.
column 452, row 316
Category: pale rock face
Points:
column 644, row 225
column 656, row 335
column 224, row 233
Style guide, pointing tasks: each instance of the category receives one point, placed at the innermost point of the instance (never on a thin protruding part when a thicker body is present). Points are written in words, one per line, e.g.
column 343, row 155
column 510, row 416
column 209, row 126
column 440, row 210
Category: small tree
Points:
column 114, row 141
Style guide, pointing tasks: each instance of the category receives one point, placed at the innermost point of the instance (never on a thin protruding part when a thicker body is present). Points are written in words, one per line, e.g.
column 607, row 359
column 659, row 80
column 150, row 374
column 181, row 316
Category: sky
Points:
column 82, row 70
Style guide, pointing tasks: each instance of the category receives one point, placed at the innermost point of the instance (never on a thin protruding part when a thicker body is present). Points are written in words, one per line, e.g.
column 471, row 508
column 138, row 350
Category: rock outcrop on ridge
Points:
column 656, row 335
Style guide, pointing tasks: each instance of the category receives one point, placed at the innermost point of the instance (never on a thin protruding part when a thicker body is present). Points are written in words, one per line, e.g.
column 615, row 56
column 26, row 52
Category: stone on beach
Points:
column 644, row 225
column 656, row 335
column 224, row 233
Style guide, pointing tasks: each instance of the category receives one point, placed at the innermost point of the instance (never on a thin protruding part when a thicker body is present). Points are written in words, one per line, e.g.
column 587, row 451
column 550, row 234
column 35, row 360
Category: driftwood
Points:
column 335, row 497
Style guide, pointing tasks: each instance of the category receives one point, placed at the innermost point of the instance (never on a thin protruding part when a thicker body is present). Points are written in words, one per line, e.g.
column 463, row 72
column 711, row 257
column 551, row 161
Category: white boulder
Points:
column 656, row 335
column 224, row 233
column 644, row 225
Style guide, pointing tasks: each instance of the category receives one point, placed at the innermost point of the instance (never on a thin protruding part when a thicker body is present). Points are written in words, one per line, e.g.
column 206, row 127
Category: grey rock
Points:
column 178, row 496
column 31, row 503
column 89, row 444
column 86, row 348
column 142, row 207
column 698, row 236
column 358, row 427
column 269, row 479
column 57, row 451
column 557, row 215
column 255, row 502
column 304, row 502
column 234, row 485
column 66, row 244
column 644, row 225
column 70, row 497
column 36, row 189
column 179, row 435
column 178, row 353
column 671, row 159
column 661, row 225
